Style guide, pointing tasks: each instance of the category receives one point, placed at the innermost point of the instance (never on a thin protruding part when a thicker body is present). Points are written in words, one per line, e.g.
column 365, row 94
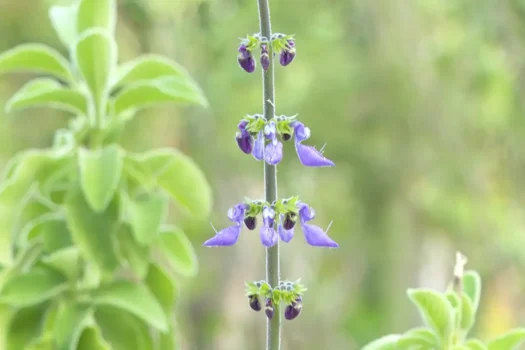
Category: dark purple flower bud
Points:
column 269, row 310
column 244, row 141
column 288, row 53
column 246, row 61
column 255, row 303
column 286, row 136
column 289, row 221
column 294, row 309
column 250, row 222
column 265, row 57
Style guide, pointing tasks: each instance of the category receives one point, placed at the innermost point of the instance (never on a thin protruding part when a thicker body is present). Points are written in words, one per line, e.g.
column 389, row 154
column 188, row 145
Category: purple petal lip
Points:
column 258, row 147
column 273, row 153
column 245, row 141
column 286, row 235
column 224, row 238
column 315, row 236
column 268, row 236
column 308, row 155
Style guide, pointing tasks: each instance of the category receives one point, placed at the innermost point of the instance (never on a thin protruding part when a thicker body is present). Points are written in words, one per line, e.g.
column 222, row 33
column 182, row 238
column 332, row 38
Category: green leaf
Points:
column 508, row 341
column 66, row 260
column 91, row 339
column 35, row 58
column 468, row 316
column 388, row 342
column 162, row 286
column 135, row 299
column 136, row 255
column 44, row 343
column 422, row 337
column 64, row 21
column 475, row 344
column 100, row 172
column 162, row 90
column 148, row 67
column 123, row 330
column 52, row 228
column 97, row 14
column 178, row 251
column 167, row 341
column 33, row 287
column 146, row 213
column 434, row 309
column 47, row 92
column 93, row 233
column 95, row 55
column 25, row 326
column 179, row 176
column 71, row 320
column 472, row 287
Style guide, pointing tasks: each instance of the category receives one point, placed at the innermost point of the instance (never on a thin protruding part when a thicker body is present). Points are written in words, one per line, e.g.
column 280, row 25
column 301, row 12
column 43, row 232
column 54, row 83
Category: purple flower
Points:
column 288, row 53
column 268, row 309
column 308, row 155
column 265, row 57
column 244, row 138
column 245, row 58
column 273, row 153
column 294, row 309
column 229, row 235
column 250, row 222
column 258, row 147
column 286, row 235
column 268, row 235
column 314, row 235
column 255, row 303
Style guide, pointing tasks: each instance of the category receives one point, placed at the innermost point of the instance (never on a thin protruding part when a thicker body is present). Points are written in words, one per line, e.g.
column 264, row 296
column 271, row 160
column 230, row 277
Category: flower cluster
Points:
column 278, row 221
column 281, row 43
column 291, row 293
column 254, row 131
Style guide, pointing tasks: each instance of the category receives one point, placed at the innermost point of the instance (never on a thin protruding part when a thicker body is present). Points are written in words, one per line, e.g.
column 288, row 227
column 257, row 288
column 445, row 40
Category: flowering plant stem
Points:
column 273, row 334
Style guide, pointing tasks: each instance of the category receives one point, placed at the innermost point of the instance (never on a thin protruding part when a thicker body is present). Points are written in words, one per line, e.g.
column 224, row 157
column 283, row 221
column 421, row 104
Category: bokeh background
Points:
column 422, row 106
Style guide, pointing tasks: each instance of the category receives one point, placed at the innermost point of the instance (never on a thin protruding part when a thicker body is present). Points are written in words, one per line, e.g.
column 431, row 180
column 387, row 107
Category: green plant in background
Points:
column 87, row 260
column 448, row 317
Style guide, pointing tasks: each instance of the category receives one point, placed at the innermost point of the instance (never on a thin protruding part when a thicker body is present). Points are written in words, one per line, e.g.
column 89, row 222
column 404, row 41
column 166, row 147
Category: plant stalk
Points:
column 273, row 333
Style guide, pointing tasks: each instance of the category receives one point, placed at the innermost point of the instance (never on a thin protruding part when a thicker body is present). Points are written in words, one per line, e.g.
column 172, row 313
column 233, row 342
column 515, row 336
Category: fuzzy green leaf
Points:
column 472, row 287
column 422, row 337
column 66, row 260
column 134, row 299
column 91, row 339
column 475, row 344
column 388, row 342
column 35, row 58
column 162, row 285
column 434, row 309
column 508, row 341
column 64, row 21
column 47, row 92
column 70, row 322
column 25, row 326
column 97, row 14
column 136, row 255
column 178, row 251
column 146, row 213
column 100, row 172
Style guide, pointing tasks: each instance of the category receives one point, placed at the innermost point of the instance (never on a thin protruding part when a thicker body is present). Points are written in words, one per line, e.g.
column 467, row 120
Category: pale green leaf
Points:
column 64, row 21
column 97, row 14
column 148, row 67
column 136, row 255
column 123, row 330
column 388, row 342
column 47, row 92
column 167, row 341
column 178, row 251
column 508, row 341
column 66, row 260
column 162, row 285
column 52, row 228
column 44, row 343
column 91, row 339
column 71, row 320
column 146, row 213
column 472, row 287
column 35, row 58
column 434, row 309
column 33, row 287
column 468, row 316
column 422, row 337
column 100, row 172
column 135, row 299
column 162, row 90
column 475, row 344
column 25, row 326
column 93, row 233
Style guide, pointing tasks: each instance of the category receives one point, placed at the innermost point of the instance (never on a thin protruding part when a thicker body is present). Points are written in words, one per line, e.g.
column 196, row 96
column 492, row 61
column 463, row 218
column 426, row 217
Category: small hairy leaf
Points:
column 71, row 320
column 508, row 341
column 162, row 285
column 66, row 260
column 135, row 299
column 47, row 92
column 388, row 342
column 422, row 337
column 91, row 339
column 136, row 255
column 434, row 309
column 472, row 287
column 64, row 21
column 178, row 250
column 146, row 213
column 25, row 326
column 97, row 14
column 475, row 344
column 35, row 58
column 100, row 172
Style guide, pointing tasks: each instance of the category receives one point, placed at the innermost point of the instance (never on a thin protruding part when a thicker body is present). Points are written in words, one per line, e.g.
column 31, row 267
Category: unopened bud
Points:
column 294, row 309
column 269, row 310
column 255, row 303
column 250, row 222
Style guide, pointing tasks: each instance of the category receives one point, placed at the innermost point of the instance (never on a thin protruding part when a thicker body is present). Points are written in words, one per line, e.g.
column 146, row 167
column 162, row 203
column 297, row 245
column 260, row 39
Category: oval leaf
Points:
column 47, row 92
column 70, row 321
column 64, row 21
column 135, row 299
column 94, row 233
column 475, row 344
column 97, row 14
column 472, row 287
column 132, row 251
column 178, row 251
column 162, row 286
column 508, row 341
column 146, row 213
column 422, row 337
column 100, row 172
column 162, row 90
column 91, row 339
column 25, row 326
column 434, row 309
column 388, row 342
column 33, row 287
column 66, row 260
column 35, row 58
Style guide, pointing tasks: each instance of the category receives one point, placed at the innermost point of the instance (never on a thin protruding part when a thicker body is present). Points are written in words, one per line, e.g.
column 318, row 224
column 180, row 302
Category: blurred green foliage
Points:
column 421, row 106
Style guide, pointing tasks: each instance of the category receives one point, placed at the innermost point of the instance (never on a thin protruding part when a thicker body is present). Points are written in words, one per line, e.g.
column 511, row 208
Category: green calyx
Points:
column 256, row 123
column 280, row 41
column 282, row 206
column 286, row 292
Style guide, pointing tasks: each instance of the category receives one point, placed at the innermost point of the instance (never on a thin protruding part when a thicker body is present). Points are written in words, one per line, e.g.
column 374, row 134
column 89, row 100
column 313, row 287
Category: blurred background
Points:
column 421, row 104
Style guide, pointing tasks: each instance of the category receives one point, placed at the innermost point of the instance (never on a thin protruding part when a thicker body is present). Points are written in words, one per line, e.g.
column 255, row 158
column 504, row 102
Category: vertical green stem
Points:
column 273, row 334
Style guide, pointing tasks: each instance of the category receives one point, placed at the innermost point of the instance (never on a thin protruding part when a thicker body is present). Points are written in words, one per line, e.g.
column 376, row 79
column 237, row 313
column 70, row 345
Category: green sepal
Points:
column 255, row 207
column 286, row 205
column 255, row 123
column 251, row 41
column 278, row 44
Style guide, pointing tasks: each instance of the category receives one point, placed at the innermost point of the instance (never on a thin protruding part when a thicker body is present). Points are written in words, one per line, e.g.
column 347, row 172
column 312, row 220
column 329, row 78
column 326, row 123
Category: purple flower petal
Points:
column 315, row 236
column 286, row 235
column 225, row 237
column 246, row 61
column 273, row 153
column 236, row 214
column 306, row 213
column 268, row 236
column 309, row 156
column 258, row 147
column 244, row 141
